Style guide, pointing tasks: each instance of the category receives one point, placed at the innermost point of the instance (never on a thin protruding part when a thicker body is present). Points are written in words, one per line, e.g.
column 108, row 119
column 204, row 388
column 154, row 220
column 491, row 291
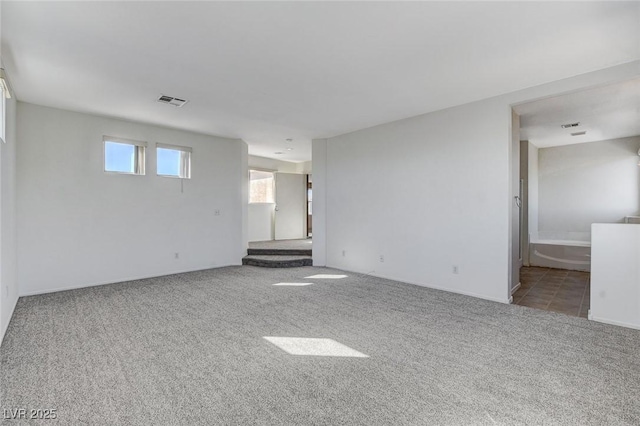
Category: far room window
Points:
column 124, row 156
column 261, row 187
column 3, row 112
column 2, row 115
column 4, row 94
column 173, row 161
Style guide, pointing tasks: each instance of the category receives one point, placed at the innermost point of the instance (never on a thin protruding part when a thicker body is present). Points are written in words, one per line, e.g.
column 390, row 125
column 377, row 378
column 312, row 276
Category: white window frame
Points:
column 273, row 172
column 185, row 160
column 3, row 115
column 139, row 164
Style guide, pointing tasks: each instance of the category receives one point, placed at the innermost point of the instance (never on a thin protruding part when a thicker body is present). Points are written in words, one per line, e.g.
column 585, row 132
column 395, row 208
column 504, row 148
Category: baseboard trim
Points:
column 4, row 331
column 614, row 322
column 464, row 293
column 515, row 288
column 123, row 280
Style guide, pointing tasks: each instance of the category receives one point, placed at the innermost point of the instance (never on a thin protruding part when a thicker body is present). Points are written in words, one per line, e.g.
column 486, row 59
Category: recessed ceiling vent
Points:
column 170, row 100
column 579, row 133
column 570, row 125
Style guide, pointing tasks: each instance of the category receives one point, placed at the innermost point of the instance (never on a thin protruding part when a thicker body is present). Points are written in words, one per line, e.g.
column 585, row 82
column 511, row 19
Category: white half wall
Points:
column 595, row 182
column 261, row 221
column 615, row 274
column 79, row 226
column 8, row 264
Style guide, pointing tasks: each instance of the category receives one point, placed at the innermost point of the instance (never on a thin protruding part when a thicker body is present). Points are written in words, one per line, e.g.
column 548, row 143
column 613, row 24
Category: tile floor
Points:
column 557, row 290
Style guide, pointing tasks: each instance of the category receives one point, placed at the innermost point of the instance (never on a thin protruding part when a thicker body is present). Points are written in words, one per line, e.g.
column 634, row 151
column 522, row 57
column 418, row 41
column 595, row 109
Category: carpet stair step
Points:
column 278, row 252
column 277, row 261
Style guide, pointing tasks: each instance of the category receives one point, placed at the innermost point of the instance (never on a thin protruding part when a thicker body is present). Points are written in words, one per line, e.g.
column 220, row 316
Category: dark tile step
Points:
column 277, row 261
column 278, row 252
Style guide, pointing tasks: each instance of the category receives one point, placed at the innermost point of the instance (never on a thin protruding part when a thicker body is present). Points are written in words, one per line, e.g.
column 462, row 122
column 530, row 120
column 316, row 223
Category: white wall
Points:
column 79, row 226
column 320, row 199
column 261, row 221
column 304, row 168
column 428, row 193
column 271, row 164
column 596, row 182
column 8, row 264
column 615, row 274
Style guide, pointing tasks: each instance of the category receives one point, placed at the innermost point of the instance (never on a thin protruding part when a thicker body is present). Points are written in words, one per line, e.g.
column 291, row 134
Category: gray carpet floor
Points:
column 304, row 244
column 190, row 349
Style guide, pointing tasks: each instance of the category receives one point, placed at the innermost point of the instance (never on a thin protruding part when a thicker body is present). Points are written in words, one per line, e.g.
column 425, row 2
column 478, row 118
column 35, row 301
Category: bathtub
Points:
column 561, row 254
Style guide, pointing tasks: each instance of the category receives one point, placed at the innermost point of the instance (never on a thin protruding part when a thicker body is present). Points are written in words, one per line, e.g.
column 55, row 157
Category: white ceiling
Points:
column 268, row 71
column 608, row 112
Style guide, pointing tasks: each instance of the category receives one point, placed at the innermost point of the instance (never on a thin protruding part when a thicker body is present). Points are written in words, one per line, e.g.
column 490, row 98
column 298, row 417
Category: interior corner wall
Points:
column 79, row 226
column 305, row 167
column 582, row 184
column 514, row 229
column 8, row 264
column 319, row 207
column 412, row 199
column 244, row 195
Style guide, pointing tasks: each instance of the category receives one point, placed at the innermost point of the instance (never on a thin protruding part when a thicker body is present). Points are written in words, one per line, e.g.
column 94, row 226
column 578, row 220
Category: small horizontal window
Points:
column 124, row 156
column 173, row 161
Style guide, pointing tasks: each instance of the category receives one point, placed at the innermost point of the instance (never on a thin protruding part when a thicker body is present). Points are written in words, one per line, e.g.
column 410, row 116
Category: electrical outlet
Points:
column 216, row 212
column 455, row 269
column 344, row 253
column 382, row 258
column 176, row 255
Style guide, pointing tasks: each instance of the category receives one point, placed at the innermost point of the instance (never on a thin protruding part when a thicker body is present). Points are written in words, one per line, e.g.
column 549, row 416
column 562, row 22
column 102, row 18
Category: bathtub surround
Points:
column 561, row 254
column 581, row 184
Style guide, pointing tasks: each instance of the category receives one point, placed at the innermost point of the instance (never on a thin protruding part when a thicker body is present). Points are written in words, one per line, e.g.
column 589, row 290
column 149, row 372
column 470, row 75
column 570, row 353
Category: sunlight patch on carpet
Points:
column 293, row 284
column 314, row 347
column 326, row 276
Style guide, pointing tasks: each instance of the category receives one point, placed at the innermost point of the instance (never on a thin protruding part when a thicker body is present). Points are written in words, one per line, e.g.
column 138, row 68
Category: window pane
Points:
column 119, row 157
column 261, row 187
column 169, row 162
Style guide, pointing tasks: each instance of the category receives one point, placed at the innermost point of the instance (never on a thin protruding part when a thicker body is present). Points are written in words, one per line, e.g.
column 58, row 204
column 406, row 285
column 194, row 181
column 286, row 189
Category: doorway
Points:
column 577, row 170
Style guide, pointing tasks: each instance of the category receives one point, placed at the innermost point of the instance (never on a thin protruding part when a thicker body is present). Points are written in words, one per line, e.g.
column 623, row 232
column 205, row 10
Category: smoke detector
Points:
column 570, row 125
column 170, row 100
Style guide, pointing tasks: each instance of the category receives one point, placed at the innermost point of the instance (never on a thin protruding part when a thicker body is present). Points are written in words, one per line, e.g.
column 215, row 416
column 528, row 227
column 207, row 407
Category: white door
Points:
column 291, row 212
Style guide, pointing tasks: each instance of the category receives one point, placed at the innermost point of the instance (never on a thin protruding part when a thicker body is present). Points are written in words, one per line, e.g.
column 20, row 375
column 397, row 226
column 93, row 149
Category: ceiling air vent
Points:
column 176, row 102
column 579, row 133
column 570, row 125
